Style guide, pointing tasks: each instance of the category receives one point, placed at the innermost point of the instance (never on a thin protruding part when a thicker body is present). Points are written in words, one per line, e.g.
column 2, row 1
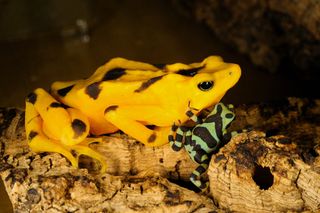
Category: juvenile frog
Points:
column 204, row 139
column 123, row 95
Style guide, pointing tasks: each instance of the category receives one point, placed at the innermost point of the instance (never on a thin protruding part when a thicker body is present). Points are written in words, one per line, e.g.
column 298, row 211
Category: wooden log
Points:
column 275, row 170
column 124, row 155
column 284, row 147
column 259, row 174
column 47, row 182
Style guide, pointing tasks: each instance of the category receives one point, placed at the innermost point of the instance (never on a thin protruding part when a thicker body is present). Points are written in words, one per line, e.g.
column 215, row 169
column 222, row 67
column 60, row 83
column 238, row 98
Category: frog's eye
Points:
column 205, row 85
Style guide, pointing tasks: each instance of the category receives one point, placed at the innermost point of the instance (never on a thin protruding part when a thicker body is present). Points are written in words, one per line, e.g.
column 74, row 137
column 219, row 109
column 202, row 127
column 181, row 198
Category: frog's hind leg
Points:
column 38, row 141
column 195, row 177
column 52, row 128
column 84, row 149
column 67, row 125
column 202, row 158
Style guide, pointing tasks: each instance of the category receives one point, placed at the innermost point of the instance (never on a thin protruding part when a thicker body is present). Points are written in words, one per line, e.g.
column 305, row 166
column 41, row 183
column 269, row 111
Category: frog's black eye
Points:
column 205, row 85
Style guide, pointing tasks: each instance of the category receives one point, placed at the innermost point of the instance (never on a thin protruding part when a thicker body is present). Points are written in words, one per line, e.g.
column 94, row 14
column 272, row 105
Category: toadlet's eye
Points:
column 205, row 85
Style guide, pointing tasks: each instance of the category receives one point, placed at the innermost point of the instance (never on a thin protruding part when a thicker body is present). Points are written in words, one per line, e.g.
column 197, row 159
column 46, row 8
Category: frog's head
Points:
column 212, row 81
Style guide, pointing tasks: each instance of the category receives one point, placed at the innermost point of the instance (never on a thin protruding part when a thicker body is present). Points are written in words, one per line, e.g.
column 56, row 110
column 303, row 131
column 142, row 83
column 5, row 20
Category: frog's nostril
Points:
column 230, row 72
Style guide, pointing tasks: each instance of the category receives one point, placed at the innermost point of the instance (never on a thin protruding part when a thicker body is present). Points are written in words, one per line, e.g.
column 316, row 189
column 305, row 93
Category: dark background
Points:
column 45, row 41
column 41, row 42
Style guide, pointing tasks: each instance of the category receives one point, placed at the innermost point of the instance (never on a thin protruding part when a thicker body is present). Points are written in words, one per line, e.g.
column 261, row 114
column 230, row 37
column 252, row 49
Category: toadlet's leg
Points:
column 195, row 177
column 177, row 137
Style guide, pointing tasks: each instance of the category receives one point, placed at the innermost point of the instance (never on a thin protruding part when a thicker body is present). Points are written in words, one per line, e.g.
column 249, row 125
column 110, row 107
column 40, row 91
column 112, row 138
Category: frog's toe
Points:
column 40, row 143
column 89, row 141
column 85, row 150
column 198, row 183
column 195, row 177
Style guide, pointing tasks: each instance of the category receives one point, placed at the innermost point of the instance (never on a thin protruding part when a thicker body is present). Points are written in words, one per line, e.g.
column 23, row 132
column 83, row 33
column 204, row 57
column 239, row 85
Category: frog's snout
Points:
column 231, row 75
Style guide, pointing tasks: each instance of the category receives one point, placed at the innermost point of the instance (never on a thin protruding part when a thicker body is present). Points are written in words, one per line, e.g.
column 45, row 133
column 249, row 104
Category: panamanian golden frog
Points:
column 123, row 95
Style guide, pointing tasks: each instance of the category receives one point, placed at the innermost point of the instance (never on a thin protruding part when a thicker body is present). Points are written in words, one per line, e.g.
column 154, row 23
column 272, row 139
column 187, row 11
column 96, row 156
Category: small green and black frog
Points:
column 204, row 139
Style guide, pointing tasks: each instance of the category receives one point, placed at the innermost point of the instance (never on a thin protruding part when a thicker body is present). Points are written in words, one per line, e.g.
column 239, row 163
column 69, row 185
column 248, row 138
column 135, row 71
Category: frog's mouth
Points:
column 198, row 106
column 217, row 99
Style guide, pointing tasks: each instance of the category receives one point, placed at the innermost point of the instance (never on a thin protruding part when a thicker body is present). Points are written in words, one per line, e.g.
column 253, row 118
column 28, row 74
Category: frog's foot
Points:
column 195, row 177
column 192, row 116
column 84, row 149
column 38, row 142
column 190, row 108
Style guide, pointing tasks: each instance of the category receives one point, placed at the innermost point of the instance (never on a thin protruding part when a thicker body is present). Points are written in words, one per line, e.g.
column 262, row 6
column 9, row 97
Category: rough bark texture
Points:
column 259, row 174
column 274, row 34
column 276, row 167
column 46, row 182
column 275, row 170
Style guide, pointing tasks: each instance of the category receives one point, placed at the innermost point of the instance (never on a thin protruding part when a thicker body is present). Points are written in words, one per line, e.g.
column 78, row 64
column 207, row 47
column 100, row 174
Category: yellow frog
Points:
column 123, row 95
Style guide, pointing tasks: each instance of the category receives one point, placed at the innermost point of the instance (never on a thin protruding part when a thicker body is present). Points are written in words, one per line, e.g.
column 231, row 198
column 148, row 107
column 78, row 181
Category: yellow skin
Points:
column 125, row 95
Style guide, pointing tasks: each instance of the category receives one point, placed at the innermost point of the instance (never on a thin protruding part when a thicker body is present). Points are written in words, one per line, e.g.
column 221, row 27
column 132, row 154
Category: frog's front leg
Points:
column 52, row 128
column 178, row 136
column 192, row 116
column 118, row 116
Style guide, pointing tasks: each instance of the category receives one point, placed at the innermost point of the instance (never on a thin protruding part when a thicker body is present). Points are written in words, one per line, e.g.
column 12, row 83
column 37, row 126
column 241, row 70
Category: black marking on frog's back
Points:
column 64, row 91
column 159, row 66
column 190, row 72
column 199, row 153
column 56, row 105
column 110, row 108
column 218, row 126
column 205, row 135
column 32, row 98
column 31, row 135
column 219, row 109
column 229, row 115
column 148, row 83
column 93, row 90
column 212, row 119
column 114, row 74
column 79, row 127
column 217, row 120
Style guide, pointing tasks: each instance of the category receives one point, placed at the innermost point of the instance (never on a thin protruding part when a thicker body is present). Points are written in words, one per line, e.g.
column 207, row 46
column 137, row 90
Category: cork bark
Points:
column 274, row 167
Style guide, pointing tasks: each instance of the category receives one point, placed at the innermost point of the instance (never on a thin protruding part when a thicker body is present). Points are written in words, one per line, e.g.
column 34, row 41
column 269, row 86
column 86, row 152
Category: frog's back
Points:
column 121, row 79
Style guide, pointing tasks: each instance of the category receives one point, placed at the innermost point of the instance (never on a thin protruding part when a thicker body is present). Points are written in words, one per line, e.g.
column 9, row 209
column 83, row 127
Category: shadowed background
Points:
column 42, row 42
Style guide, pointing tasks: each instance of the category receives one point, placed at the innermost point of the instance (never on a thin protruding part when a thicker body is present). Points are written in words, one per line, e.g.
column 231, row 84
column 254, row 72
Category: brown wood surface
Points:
column 275, row 167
